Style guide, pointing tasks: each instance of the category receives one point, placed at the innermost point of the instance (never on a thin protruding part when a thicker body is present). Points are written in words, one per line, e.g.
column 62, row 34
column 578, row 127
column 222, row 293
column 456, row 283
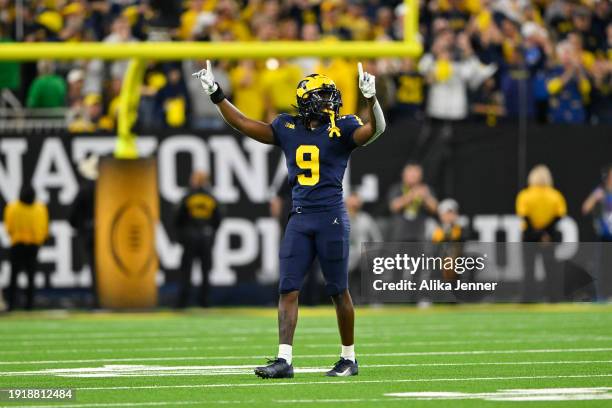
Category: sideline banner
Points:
column 478, row 170
column 126, row 210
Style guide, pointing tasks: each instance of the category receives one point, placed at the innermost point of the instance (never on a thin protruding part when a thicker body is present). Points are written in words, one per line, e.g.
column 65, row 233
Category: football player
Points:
column 317, row 143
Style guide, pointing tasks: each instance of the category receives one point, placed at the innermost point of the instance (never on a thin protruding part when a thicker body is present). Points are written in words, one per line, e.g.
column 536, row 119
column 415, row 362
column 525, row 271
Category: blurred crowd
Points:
column 484, row 60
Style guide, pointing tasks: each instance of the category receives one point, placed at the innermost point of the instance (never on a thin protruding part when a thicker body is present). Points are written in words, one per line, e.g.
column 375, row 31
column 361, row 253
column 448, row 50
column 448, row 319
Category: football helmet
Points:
column 318, row 98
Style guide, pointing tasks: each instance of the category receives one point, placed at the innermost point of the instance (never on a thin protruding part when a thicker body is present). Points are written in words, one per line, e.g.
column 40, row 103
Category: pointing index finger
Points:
column 360, row 70
column 208, row 66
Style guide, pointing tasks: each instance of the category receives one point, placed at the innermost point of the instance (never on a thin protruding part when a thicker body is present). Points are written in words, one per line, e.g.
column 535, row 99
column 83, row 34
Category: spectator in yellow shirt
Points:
column 279, row 82
column 409, row 90
column 247, row 89
column 448, row 229
column 91, row 118
column 189, row 20
column 344, row 75
column 541, row 206
column 27, row 223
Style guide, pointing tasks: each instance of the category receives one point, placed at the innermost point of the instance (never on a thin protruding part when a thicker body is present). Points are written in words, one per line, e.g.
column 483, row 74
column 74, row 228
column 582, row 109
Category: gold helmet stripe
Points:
column 313, row 82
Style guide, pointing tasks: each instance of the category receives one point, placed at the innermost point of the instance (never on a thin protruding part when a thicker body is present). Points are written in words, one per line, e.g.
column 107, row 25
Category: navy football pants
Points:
column 323, row 233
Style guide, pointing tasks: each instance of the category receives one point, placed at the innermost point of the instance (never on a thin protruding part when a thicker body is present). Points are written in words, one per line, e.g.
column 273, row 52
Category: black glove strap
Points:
column 217, row 96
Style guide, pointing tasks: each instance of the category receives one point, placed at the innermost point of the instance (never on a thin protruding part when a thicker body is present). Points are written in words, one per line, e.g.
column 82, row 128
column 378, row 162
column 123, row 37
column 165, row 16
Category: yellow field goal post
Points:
column 139, row 53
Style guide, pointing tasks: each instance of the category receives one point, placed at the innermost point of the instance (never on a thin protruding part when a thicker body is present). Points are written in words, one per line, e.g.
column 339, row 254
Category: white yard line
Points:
column 219, row 370
column 31, row 340
column 191, row 338
column 551, row 339
column 222, row 332
column 525, row 394
column 194, row 332
column 401, row 354
column 339, row 382
column 487, row 363
column 331, row 328
column 547, row 394
column 132, row 340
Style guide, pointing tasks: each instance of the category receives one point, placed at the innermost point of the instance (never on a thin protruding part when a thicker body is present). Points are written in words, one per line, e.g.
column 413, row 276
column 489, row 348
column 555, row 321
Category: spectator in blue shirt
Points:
column 568, row 87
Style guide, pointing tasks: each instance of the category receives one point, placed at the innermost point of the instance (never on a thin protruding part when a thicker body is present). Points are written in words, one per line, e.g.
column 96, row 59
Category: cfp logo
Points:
column 131, row 238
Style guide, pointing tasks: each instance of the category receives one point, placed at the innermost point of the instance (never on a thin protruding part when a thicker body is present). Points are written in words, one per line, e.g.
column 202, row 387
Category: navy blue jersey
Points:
column 316, row 161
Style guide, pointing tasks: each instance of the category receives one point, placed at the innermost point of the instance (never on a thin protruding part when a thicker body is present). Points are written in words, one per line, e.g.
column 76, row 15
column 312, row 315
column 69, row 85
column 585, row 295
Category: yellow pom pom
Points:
column 443, row 70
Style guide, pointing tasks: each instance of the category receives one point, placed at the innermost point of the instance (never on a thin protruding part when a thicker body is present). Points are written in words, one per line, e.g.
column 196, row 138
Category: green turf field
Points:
column 558, row 356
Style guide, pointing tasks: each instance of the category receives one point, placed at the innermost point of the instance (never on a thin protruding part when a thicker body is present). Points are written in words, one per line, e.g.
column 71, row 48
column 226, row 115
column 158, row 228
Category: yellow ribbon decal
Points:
column 333, row 130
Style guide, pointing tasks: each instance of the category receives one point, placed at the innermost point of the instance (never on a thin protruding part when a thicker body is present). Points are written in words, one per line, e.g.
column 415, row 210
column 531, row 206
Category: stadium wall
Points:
column 476, row 165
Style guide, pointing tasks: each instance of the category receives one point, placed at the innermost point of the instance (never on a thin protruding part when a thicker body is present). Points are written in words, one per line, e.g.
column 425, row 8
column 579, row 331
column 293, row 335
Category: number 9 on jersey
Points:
column 307, row 158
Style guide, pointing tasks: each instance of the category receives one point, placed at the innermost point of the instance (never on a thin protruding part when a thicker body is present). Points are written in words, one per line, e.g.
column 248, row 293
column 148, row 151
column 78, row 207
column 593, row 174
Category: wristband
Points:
column 217, row 96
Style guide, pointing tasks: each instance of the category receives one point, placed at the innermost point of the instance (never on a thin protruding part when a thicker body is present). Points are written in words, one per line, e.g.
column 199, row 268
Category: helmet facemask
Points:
column 320, row 104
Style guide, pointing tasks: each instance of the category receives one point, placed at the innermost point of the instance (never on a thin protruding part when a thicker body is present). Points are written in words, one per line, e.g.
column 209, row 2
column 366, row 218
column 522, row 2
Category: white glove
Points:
column 367, row 82
column 207, row 79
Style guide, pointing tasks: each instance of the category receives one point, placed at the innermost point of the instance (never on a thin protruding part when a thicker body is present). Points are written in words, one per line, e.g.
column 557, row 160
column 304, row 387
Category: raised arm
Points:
column 592, row 200
column 255, row 129
column 368, row 133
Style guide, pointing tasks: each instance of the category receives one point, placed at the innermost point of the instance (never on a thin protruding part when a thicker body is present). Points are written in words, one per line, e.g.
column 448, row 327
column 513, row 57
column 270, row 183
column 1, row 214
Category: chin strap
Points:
column 333, row 130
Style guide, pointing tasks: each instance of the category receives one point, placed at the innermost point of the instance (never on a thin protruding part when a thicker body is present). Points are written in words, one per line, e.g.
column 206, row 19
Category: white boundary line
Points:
column 403, row 354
